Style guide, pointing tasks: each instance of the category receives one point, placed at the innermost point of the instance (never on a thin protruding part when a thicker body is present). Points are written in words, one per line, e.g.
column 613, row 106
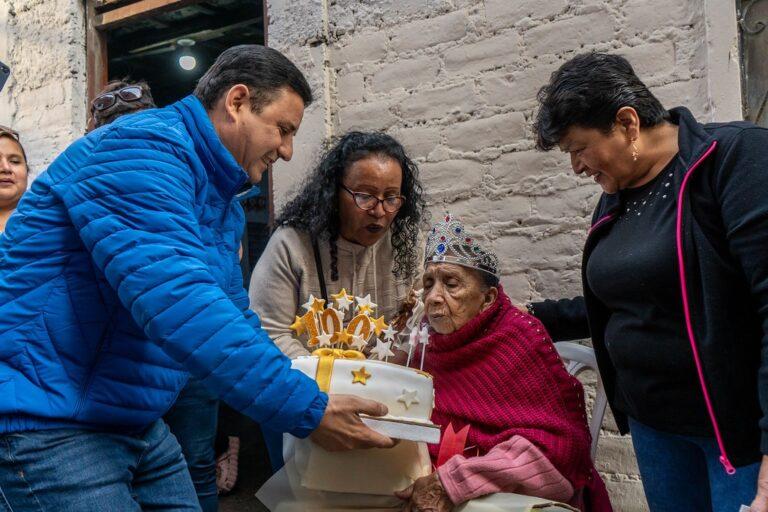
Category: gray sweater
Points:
column 286, row 275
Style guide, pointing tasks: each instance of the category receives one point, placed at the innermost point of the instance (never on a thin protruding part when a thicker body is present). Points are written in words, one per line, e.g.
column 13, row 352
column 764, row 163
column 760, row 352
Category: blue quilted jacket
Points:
column 119, row 276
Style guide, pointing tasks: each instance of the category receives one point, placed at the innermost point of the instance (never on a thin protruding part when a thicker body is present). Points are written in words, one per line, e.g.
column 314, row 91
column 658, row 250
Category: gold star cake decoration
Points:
column 342, row 337
column 313, row 304
column 360, row 376
column 298, row 326
column 379, row 325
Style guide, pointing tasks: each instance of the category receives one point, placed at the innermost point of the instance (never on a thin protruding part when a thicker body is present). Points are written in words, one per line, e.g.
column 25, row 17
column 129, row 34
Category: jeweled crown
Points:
column 449, row 242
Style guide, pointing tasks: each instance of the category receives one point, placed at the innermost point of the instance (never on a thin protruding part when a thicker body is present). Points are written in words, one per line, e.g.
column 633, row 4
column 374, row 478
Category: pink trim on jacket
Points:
column 515, row 465
column 600, row 222
column 687, row 312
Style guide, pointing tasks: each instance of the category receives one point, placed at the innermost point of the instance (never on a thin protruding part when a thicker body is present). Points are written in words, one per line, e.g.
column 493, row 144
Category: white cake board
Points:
column 397, row 428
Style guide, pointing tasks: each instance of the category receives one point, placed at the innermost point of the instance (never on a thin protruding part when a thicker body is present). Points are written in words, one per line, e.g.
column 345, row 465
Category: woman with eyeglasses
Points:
column 14, row 173
column 354, row 225
column 117, row 99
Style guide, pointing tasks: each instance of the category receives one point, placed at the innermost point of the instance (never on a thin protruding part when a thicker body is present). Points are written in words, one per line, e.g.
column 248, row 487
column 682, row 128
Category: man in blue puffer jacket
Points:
column 119, row 277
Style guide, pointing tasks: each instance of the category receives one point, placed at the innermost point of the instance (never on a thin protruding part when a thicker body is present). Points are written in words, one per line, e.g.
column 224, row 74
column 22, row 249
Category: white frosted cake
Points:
column 409, row 397
column 407, row 393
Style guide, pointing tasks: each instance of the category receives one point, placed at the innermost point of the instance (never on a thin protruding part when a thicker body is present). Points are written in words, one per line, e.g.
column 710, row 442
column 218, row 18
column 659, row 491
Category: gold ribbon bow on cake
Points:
column 325, row 364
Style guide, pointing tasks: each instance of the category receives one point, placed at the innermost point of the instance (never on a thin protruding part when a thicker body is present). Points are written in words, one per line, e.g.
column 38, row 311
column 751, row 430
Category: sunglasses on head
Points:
column 4, row 130
column 108, row 99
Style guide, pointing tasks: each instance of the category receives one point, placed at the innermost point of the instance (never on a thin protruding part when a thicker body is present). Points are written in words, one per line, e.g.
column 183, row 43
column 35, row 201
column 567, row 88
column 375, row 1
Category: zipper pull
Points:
column 727, row 465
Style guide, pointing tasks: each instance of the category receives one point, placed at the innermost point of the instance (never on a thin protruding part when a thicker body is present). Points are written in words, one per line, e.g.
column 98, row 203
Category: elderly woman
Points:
column 13, row 173
column 675, row 276
column 497, row 372
column 354, row 225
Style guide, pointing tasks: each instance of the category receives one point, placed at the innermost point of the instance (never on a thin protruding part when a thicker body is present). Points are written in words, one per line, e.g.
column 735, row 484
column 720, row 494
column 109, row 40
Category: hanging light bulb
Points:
column 187, row 61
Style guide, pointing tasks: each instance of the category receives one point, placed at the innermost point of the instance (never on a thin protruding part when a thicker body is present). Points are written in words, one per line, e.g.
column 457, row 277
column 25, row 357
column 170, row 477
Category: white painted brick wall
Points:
column 456, row 82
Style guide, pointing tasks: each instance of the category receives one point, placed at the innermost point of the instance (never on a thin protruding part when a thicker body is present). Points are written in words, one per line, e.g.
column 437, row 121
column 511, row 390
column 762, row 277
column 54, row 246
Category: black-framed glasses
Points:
column 367, row 202
column 108, row 99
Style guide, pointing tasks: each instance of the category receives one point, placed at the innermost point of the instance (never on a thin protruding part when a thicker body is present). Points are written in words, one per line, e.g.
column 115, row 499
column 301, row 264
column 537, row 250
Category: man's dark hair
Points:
column 120, row 108
column 588, row 91
column 264, row 70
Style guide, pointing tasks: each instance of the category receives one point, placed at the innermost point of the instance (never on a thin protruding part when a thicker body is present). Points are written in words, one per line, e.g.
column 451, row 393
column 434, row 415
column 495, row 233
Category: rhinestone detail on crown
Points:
column 449, row 242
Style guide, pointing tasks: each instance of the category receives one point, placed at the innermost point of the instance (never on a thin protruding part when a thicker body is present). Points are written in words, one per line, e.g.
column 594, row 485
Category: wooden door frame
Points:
column 103, row 15
column 99, row 20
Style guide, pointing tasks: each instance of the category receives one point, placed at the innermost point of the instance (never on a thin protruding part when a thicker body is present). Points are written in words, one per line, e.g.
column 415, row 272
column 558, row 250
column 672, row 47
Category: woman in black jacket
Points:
column 675, row 276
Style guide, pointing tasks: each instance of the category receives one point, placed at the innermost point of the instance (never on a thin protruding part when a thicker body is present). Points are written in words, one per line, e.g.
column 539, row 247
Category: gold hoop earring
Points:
column 634, row 152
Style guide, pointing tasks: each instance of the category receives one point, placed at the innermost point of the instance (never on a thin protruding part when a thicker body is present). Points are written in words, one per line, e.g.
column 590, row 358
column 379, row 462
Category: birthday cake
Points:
column 340, row 366
column 407, row 393
column 340, row 369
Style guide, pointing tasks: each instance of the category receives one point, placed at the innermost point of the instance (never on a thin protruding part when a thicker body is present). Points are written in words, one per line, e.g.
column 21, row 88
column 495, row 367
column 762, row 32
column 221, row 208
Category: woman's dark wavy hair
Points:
column 315, row 209
column 587, row 91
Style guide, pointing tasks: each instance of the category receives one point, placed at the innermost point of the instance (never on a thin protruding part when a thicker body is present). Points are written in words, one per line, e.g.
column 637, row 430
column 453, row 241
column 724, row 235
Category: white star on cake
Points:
column 409, row 398
column 324, row 340
column 358, row 342
column 389, row 333
column 382, row 349
column 308, row 305
column 343, row 303
column 366, row 301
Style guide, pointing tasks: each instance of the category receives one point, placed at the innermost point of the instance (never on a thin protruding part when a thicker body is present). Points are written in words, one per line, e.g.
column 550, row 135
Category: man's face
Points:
column 258, row 139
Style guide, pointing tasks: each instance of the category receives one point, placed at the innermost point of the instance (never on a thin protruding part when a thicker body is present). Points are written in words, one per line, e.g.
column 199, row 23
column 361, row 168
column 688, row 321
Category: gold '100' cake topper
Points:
column 325, row 328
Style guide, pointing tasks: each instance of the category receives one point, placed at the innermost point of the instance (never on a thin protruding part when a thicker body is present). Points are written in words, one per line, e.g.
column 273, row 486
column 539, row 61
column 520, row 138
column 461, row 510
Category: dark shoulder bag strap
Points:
column 319, row 267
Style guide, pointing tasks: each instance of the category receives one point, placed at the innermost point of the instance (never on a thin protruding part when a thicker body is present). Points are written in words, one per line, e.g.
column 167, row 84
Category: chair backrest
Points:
column 578, row 358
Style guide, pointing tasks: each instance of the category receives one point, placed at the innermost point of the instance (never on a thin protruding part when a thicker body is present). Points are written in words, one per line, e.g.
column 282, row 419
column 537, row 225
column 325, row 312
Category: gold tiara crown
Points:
column 449, row 242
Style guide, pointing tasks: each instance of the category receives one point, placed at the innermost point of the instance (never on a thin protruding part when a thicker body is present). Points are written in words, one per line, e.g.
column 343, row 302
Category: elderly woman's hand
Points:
column 427, row 494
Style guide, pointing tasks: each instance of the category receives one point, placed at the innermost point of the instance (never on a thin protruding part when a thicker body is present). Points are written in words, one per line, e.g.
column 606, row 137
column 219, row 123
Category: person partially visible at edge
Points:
column 498, row 379
column 118, row 98
column 675, row 276
column 123, row 278
column 14, row 173
column 363, row 205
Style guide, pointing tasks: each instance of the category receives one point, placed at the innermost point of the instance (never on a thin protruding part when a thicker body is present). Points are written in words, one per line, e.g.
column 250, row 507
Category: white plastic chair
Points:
column 578, row 358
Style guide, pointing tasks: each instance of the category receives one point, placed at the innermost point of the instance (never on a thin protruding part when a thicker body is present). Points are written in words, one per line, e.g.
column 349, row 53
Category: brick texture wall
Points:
column 456, row 82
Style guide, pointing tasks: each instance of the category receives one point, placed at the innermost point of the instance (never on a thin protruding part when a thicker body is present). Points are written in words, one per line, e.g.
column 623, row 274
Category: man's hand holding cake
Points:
column 342, row 429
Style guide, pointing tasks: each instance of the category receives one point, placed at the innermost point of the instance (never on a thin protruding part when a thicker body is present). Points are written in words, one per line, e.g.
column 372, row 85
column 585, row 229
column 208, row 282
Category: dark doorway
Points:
column 157, row 48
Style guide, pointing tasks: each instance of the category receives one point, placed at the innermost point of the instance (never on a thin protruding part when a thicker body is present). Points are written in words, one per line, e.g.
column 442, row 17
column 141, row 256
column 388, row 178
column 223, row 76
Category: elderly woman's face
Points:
column 378, row 176
column 453, row 295
column 13, row 172
column 605, row 157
